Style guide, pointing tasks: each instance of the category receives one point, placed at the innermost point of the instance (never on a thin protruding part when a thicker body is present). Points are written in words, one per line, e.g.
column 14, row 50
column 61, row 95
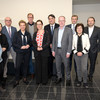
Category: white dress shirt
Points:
column 91, row 31
column 73, row 28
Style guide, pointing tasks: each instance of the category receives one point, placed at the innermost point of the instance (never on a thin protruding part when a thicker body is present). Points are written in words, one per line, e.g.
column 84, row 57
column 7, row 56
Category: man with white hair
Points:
column 9, row 31
column 61, row 49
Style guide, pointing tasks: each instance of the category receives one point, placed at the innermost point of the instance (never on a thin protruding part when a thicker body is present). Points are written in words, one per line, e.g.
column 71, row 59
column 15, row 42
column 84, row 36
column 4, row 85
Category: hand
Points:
column 79, row 54
column 23, row 47
column 50, row 45
column 27, row 46
column 3, row 49
column 53, row 53
column 39, row 48
column 67, row 55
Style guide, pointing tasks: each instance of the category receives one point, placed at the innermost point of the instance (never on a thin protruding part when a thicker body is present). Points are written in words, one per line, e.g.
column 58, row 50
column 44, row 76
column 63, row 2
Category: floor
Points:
column 52, row 91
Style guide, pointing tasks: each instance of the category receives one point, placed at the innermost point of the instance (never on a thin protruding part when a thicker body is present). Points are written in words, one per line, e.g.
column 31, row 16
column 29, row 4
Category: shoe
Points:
column 78, row 84
column 90, row 79
column 16, row 83
column 26, row 82
column 85, row 85
column 2, row 90
column 68, row 83
column 58, row 80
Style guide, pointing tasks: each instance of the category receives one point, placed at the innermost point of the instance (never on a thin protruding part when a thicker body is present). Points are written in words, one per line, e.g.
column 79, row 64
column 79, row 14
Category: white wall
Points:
column 18, row 9
column 85, row 11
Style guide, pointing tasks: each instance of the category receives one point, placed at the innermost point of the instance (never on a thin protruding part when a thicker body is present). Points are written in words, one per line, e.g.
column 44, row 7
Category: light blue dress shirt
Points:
column 60, row 34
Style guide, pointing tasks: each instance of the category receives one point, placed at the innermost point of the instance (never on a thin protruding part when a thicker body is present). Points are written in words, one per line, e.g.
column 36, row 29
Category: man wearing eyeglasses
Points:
column 9, row 31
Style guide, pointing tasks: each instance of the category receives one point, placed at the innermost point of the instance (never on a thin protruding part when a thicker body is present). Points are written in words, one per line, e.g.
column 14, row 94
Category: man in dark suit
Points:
column 94, row 36
column 74, row 20
column 50, row 28
column 9, row 31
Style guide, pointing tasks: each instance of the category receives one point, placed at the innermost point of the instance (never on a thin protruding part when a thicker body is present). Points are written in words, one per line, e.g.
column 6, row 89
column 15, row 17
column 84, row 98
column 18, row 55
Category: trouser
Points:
column 22, row 58
column 81, row 62
column 70, row 64
column 13, row 54
column 2, row 64
column 92, row 57
column 60, row 57
column 41, row 69
column 31, row 67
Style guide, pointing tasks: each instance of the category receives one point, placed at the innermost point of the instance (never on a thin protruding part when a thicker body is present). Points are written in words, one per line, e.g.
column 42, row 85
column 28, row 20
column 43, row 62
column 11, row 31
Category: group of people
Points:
column 57, row 42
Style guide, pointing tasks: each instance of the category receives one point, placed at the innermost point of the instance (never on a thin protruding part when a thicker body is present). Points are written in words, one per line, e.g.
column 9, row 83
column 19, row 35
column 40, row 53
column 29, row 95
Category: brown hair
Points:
column 22, row 21
column 92, row 18
column 30, row 14
column 79, row 24
column 39, row 21
column 1, row 24
column 75, row 16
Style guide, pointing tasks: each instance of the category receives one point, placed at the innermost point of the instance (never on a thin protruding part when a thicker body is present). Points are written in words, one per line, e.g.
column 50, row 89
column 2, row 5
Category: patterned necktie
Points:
column 73, row 29
column 9, row 31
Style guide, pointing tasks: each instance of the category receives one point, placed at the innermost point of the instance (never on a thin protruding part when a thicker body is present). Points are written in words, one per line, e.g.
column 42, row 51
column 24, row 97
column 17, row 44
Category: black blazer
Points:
column 4, row 44
column 47, row 28
column 69, row 25
column 17, row 42
column 94, row 39
column 45, row 45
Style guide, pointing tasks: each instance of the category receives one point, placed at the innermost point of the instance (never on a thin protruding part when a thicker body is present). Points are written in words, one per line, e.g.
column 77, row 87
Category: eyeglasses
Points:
column 30, row 17
column 8, row 20
column 39, row 24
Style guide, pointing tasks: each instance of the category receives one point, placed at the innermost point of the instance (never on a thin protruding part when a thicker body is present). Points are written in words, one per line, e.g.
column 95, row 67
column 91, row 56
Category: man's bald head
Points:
column 8, row 21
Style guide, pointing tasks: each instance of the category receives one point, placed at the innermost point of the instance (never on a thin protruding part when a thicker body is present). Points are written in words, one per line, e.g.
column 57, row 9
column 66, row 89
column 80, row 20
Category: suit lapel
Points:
column 7, row 32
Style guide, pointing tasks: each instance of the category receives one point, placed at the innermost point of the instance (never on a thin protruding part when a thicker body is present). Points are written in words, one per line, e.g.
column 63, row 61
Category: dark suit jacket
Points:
column 94, row 39
column 45, row 44
column 69, row 25
column 17, row 42
column 47, row 28
column 13, row 31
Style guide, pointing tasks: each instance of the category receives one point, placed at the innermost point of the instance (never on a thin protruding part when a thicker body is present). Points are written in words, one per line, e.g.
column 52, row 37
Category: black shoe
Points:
column 78, row 84
column 68, row 82
column 16, row 83
column 90, row 79
column 85, row 85
column 58, row 80
column 26, row 82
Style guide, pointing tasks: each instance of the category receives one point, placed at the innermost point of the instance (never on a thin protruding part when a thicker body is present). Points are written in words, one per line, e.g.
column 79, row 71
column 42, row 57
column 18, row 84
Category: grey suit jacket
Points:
column 13, row 31
column 66, row 43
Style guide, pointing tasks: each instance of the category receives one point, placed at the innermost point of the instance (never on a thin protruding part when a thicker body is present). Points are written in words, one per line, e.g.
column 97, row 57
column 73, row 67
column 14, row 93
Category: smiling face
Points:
column 79, row 30
column 8, row 21
column 30, row 18
column 39, row 25
column 74, row 20
column 22, row 26
column 51, row 20
column 90, row 22
column 61, row 21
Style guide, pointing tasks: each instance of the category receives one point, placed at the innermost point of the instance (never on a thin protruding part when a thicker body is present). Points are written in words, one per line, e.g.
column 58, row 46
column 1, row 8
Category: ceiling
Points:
column 82, row 2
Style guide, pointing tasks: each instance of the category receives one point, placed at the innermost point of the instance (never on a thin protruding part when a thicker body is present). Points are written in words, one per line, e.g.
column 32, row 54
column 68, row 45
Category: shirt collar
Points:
column 31, row 24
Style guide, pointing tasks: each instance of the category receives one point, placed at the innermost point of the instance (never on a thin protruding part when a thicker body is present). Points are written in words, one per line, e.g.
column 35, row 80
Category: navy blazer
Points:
column 9, row 39
column 47, row 28
column 17, row 42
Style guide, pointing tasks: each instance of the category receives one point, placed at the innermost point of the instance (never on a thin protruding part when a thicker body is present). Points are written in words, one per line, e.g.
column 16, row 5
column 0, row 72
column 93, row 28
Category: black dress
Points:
column 4, row 44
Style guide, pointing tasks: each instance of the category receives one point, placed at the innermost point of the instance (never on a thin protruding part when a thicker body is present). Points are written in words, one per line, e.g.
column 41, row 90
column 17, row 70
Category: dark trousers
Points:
column 22, row 58
column 41, row 69
column 70, row 65
column 2, row 64
column 92, row 57
column 50, row 64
